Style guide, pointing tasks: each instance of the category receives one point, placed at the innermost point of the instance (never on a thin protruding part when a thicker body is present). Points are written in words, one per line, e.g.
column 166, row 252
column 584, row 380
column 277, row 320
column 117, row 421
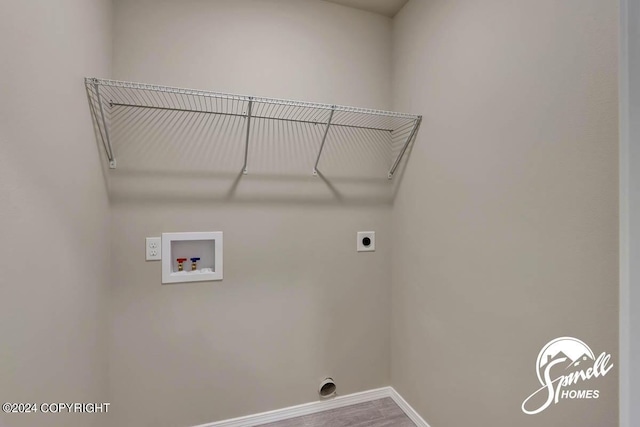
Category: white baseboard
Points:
column 407, row 409
column 320, row 406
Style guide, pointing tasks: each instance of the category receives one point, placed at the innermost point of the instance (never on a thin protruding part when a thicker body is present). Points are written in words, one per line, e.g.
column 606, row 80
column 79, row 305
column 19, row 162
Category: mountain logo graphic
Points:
column 572, row 349
column 564, row 362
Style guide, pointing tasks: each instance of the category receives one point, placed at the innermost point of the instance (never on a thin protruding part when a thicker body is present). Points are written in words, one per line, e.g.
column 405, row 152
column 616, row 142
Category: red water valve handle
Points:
column 181, row 260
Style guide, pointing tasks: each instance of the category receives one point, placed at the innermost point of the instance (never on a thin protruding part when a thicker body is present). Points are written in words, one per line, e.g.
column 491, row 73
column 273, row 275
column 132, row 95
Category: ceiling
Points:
column 384, row 7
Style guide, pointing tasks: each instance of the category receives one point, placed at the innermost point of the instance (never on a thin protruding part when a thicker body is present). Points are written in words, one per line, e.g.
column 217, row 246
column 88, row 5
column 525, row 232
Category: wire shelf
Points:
column 108, row 98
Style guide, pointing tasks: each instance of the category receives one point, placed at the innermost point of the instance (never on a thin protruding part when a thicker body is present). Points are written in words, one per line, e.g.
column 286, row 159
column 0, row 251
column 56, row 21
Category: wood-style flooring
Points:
column 377, row 413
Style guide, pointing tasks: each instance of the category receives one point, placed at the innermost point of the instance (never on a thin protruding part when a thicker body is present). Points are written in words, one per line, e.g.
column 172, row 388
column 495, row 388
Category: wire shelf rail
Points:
column 106, row 96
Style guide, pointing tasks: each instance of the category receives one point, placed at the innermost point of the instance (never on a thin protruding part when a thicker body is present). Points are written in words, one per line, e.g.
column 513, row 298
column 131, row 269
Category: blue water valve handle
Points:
column 195, row 259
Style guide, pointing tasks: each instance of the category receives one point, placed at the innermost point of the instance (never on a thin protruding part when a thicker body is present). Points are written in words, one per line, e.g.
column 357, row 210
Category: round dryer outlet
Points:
column 366, row 241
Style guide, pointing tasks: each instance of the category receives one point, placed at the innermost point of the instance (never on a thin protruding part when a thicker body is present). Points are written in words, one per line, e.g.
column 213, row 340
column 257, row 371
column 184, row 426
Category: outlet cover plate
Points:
column 153, row 248
column 360, row 243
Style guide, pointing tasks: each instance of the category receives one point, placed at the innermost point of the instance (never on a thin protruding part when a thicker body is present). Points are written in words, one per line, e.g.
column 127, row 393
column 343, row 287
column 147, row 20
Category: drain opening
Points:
column 327, row 388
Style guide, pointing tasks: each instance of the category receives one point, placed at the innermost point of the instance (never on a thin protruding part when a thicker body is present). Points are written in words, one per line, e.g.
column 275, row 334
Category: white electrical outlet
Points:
column 366, row 241
column 154, row 248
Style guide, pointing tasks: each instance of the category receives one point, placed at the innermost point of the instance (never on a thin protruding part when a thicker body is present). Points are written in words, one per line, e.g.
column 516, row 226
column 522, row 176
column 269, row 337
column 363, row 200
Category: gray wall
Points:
column 54, row 218
column 629, row 208
column 297, row 302
column 505, row 225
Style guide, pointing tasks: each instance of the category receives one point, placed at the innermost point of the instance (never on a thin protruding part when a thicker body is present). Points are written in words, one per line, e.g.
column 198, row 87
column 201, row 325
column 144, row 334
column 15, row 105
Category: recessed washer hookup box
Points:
column 191, row 257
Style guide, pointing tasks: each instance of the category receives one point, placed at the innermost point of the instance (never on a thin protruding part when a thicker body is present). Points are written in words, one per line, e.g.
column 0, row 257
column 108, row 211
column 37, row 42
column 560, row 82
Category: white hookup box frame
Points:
column 205, row 245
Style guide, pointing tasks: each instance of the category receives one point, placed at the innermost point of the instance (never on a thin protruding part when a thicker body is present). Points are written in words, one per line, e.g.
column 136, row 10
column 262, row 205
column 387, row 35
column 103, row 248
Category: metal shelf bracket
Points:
column 246, row 141
column 106, row 140
column 404, row 147
column 324, row 139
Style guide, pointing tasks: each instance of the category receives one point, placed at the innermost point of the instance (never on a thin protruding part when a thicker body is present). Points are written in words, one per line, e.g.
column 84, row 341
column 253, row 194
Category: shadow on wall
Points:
column 165, row 156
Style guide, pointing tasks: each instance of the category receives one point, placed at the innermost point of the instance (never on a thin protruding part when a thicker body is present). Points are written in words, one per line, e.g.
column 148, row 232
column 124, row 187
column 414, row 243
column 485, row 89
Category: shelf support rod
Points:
column 109, row 150
column 246, row 140
column 324, row 139
column 404, row 147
